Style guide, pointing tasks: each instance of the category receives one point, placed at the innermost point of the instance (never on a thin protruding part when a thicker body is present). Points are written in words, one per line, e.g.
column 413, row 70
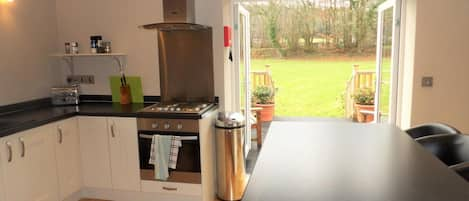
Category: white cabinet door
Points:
column 67, row 151
column 41, row 163
column 94, row 146
column 14, row 170
column 123, row 143
column 2, row 185
column 29, row 166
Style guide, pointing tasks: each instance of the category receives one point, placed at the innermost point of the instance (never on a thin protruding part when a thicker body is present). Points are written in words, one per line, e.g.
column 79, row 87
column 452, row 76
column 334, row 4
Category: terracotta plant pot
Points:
column 267, row 112
column 365, row 113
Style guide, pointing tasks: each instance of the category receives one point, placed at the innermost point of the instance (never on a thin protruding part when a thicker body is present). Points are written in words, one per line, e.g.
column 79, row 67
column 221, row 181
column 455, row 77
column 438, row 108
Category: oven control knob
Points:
column 154, row 125
column 179, row 126
column 166, row 125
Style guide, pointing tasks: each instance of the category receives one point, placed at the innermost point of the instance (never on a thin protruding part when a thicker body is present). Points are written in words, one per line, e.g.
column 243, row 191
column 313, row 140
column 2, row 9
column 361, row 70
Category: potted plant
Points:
column 364, row 100
column 263, row 97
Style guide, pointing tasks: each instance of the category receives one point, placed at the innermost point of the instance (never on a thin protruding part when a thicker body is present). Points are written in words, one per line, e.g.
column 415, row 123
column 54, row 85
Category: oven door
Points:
column 188, row 161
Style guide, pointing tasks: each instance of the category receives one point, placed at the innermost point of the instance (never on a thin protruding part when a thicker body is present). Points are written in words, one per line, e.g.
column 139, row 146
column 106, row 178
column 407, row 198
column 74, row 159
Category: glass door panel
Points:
column 387, row 62
column 242, row 61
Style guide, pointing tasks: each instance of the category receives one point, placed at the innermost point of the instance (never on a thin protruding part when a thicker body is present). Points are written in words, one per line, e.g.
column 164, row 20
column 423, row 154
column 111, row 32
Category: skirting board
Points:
column 116, row 195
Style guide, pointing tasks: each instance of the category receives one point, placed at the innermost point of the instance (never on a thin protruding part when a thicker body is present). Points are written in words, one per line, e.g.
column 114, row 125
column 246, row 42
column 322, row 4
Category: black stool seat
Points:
column 462, row 169
column 449, row 148
column 431, row 129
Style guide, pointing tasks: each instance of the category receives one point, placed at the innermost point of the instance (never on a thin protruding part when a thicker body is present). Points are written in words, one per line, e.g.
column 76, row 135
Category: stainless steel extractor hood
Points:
column 176, row 12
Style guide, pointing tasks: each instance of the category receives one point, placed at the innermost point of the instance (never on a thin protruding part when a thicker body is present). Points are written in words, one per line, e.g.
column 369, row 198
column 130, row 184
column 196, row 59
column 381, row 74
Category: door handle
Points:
column 23, row 147
column 170, row 188
column 61, row 136
column 113, row 133
column 10, row 152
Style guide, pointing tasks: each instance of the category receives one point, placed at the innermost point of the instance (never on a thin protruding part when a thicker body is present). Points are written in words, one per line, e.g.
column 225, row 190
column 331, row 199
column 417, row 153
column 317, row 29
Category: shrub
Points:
column 263, row 95
column 364, row 96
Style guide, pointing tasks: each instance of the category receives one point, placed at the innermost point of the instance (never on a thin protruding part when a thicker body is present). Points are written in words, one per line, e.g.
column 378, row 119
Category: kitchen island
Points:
column 325, row 161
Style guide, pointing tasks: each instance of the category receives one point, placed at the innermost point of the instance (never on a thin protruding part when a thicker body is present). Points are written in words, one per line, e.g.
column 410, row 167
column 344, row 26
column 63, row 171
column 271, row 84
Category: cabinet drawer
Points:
column 171, row 187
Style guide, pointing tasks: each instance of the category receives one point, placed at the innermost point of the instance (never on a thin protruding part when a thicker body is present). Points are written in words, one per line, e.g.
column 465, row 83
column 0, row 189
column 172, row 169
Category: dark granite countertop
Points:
column 13, row 122
column 30, row 114
column 328, row 161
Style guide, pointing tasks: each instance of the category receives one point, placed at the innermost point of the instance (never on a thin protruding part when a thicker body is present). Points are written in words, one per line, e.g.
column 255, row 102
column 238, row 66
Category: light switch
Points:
column 427, row 81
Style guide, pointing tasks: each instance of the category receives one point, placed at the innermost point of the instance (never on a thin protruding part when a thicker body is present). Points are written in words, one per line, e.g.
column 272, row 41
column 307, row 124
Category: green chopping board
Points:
column 135, row 83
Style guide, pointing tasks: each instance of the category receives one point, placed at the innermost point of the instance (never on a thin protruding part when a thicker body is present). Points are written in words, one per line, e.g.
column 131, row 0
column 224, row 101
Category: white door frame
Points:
column 237, row 11
column 396, row 6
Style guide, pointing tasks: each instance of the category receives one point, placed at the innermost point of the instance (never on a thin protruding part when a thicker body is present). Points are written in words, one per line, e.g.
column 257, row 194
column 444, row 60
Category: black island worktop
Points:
column 31, row 114
column 306, row 161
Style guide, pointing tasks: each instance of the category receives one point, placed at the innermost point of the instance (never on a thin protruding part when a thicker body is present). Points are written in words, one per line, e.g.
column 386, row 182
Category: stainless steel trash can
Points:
column 230, row 143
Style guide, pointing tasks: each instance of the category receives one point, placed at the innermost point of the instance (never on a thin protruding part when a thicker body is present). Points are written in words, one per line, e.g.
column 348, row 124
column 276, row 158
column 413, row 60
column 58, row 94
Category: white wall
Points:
column 28, row 35
column 441, row 50
column 117, row 21
column 211, row 12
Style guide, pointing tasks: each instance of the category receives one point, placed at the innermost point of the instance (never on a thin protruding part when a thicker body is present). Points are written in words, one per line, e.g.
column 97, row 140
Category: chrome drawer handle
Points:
column 23, row 147
column 169, row 188
column 113, row 134
column 10, row 152
column 61, row 136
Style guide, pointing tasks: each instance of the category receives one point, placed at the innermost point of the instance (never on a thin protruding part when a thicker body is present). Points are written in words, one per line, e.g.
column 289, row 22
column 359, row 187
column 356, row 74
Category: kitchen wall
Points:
column 211, row 12
column 117, row 21
column 441, row 50
column 28, row 33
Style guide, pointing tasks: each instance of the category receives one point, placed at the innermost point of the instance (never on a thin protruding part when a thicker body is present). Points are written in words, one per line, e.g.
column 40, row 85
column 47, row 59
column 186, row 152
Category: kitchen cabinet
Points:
column 29, row 166
column 123, row 144
column 94, row 146
column 109, row 150
column 2, row 185
column 67, row 150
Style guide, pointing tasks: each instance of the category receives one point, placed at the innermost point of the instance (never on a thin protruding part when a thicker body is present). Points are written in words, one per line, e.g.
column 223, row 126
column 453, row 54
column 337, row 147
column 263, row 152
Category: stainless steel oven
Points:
column 188, row 161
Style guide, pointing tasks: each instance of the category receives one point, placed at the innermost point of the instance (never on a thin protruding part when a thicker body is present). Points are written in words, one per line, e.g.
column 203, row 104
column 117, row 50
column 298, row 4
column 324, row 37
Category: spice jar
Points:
column 67, row 48
column 107, row 47
column 74, row 47
column 95, row 43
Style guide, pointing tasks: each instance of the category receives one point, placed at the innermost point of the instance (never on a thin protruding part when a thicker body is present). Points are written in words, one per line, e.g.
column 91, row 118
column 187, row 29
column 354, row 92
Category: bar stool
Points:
column 431, row 129
column 449, row 148
column 462, row 169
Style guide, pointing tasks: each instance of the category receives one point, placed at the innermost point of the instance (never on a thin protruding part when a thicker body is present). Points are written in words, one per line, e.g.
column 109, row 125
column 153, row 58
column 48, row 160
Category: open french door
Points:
column 387, row 61
column 242, row 68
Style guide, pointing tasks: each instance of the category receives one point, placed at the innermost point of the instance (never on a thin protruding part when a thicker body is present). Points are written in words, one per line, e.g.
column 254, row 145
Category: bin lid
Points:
column 230, row 120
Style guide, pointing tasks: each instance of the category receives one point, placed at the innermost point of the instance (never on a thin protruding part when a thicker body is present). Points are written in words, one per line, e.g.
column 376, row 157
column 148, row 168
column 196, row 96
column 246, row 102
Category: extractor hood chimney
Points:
column 179, row 11
column 177, row 14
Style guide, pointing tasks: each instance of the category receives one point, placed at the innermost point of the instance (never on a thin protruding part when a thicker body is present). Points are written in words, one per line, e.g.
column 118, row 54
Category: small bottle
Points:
column 107, row 47
column 74, row 47
column 67, row 48
column 96, row 44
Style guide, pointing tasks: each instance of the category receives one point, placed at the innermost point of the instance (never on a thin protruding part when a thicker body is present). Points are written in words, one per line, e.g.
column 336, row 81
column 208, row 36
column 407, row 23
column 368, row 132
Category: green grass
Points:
column 313, row 87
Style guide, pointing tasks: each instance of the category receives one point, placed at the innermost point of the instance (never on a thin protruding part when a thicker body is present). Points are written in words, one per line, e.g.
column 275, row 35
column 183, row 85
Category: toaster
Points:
column 65, row 95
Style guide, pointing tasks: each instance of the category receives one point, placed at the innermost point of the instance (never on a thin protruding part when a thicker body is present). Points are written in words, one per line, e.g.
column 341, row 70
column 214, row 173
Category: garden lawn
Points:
column 313, row 87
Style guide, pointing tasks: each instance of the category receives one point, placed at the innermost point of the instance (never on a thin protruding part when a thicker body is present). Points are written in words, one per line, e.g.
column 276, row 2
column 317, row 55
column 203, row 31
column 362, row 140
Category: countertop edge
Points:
column 7, row 131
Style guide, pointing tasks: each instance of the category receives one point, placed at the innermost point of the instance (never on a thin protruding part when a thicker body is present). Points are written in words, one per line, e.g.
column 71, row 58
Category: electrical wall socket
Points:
column 80, row 79
column 427, row 81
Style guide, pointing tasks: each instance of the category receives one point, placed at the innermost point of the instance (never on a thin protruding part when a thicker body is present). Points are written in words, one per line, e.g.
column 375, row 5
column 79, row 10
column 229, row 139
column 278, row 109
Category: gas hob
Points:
column 178, row 108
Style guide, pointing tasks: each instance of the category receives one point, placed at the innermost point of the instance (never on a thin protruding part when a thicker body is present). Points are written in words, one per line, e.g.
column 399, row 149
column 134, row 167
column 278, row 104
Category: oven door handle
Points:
column 145, row 136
